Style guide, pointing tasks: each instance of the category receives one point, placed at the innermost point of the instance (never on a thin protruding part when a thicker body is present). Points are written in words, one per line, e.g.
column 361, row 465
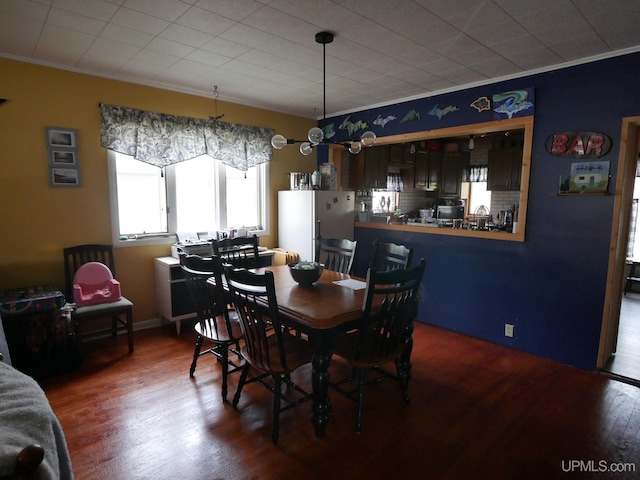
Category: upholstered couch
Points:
column 27, row 421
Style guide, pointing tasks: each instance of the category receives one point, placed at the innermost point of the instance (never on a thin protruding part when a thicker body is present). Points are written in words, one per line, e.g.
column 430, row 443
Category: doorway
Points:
column 615, row 341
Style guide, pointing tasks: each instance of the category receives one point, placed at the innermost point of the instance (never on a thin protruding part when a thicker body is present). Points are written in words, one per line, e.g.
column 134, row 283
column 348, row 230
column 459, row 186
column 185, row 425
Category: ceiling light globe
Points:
column 315, row 135
column 306, row 148
column 368, row 138
column 278, row 142
column 355, row 148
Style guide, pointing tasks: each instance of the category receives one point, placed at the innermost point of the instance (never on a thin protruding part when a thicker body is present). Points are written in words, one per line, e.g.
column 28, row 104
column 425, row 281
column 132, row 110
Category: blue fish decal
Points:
column 436, row 112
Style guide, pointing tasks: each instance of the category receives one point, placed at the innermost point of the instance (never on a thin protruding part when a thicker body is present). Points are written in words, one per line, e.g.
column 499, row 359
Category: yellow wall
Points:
column 38, row 221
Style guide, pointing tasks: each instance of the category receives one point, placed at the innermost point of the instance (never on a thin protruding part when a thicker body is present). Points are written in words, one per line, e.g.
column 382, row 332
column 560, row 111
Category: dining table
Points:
column 329, row 307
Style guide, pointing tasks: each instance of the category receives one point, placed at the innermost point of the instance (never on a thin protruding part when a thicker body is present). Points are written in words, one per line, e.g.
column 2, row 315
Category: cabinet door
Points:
column 376, row 160
column 427, row 169
column 453, row 165
column 504, row 170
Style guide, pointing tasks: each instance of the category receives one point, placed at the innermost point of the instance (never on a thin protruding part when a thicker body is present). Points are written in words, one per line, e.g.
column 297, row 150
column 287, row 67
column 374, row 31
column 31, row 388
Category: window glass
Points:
column 479, row 196
column 149, row 204
column 142, row 197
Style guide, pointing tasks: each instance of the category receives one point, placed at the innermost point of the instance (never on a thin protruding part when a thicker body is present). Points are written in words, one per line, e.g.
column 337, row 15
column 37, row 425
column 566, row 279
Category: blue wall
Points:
column 552, row 286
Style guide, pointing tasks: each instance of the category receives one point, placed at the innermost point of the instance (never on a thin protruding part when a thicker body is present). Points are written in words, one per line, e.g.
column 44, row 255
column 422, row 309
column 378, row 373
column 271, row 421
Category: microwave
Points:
column 446, row 212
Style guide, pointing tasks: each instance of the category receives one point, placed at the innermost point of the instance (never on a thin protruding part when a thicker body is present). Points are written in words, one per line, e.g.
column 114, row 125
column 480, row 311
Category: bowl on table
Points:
column 306, row 273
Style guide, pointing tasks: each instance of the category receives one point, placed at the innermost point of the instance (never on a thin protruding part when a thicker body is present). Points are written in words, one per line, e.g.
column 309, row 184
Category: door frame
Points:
column 627, row 162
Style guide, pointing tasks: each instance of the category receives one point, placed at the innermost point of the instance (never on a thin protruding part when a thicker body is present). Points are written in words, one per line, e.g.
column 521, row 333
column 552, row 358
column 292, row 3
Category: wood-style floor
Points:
column 478, row 411
column 626, row 361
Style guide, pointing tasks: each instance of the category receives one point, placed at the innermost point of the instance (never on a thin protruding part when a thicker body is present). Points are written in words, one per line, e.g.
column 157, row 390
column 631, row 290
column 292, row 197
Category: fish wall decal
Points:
column 436, row 112
column 411, row 116
column 383, row 121
column 352, row 127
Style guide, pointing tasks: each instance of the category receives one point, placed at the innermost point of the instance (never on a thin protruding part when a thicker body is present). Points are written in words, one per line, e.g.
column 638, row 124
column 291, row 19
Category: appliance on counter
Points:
column 446, row 214
column 304, row 215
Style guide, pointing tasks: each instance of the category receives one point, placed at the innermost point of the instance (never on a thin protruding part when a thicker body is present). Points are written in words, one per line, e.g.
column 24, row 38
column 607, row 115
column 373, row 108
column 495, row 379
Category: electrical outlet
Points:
column 508, row 330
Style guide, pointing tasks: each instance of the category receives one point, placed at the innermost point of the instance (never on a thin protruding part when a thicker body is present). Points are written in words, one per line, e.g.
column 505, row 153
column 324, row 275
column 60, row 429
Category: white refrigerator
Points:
column 304, row 215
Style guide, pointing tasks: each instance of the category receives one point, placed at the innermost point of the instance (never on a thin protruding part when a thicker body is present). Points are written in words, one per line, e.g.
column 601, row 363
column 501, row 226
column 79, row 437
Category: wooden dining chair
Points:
column 383, row 334
column 336, row 254
column 389, row 256
column 269, row 348
column 216, row 324
column 120, row 312
column 241, row 252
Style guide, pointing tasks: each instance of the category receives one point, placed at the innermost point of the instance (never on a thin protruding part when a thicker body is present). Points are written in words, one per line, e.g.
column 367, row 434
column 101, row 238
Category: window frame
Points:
column 170, row 237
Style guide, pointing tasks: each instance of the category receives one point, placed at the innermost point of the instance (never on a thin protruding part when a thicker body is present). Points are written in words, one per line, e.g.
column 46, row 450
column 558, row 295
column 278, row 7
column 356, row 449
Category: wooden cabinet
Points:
column 504, row 170
column 376, row 160
column 400, row 155
column 428, row 165
column 453, row 166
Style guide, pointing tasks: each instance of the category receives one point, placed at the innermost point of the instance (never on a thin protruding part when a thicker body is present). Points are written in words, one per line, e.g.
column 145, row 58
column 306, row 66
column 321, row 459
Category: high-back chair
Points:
column 120, row 312
column 241, row 252
column 336, row 254
column 216, row 324
column 268, row 346
column 383, row 335
column 389, row 256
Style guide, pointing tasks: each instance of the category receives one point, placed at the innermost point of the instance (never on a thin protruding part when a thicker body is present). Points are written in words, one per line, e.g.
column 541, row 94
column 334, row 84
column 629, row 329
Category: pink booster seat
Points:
column 93, row 284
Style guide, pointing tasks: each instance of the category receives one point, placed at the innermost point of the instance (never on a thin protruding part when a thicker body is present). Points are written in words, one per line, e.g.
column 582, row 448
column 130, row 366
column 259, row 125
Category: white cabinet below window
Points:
column 172, row 299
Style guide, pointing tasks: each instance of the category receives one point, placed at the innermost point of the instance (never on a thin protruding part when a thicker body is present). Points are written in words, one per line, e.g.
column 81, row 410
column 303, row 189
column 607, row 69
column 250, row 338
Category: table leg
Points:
column 320, row 381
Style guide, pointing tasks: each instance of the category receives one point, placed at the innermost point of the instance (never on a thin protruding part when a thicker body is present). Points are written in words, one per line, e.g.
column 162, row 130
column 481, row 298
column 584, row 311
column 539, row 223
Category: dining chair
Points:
column 120, row 312
column 216, row 324
column 336, row 254
column 389, row 256
column 241, row 252
column 383, row 334
column 268, row 346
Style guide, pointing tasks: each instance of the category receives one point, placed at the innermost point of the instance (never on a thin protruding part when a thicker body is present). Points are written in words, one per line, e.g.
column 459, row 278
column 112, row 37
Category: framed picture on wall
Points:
column 61, row 137
column 64, row 177
column 62, row 157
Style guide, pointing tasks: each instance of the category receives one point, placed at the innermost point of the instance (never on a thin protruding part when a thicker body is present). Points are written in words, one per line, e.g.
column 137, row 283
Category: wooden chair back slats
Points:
column 241, row 252
column 336, row 254
column 389, row 256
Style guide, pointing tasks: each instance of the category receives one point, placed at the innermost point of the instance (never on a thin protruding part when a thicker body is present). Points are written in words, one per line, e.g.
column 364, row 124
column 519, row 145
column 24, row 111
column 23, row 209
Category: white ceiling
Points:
column 263, row 52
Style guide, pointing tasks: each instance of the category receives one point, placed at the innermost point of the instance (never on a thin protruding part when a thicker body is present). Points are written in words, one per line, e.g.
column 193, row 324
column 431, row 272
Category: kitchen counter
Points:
column 433, row 229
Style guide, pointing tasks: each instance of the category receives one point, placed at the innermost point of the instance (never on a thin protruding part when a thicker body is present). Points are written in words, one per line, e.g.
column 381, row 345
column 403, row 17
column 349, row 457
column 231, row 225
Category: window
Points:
column 149, row 205
column 479, row 196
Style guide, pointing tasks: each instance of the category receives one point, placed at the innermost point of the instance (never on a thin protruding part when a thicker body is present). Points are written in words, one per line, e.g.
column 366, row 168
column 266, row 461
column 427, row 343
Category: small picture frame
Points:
column 63, row 157
column 61, row 137
column 64, row 177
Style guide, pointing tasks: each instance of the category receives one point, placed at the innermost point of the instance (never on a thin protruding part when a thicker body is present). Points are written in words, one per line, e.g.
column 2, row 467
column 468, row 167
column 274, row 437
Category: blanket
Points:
column 26, row 418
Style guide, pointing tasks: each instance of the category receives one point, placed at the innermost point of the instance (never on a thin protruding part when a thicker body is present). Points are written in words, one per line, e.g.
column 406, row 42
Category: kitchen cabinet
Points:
column 428, row 164
column 453, row 166
column 504, row 169
column 400, row 155
column 376, row 160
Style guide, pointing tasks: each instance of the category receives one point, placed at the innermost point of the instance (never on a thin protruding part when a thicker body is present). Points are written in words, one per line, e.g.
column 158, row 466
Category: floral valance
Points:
column 161, row 139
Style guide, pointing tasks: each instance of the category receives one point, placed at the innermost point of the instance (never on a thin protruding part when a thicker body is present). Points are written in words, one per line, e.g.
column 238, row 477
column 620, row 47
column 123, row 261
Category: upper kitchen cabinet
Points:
column 504, row 169
column 428, row 164
column 401, row 155
column 376, row 161
column 454, row 165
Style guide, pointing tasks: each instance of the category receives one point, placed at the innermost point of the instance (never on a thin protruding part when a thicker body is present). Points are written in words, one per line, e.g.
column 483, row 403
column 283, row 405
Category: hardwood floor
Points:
column 626, row 361
column 478, row 411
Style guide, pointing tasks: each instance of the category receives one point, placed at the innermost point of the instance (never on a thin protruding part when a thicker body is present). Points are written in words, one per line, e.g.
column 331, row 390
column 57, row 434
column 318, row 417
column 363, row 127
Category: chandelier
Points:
column 316, row 135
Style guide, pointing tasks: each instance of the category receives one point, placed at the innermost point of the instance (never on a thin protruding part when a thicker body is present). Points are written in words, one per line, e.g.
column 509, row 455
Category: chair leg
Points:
column 224, row 357
column 196, row 354
column 243, row 379
column 130, row 330
column 275, row 429
column 361, row 375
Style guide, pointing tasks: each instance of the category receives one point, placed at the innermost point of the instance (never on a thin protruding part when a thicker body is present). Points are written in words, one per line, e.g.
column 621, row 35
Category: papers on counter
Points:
column 352, row 284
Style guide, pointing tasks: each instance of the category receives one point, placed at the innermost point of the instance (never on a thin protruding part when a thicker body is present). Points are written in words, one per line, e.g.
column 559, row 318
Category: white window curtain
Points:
column 477, row 173
column 161, row 139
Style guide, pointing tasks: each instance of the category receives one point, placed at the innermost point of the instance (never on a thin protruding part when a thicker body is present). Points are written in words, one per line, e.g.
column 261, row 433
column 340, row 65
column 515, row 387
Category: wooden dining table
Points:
column 321, row 311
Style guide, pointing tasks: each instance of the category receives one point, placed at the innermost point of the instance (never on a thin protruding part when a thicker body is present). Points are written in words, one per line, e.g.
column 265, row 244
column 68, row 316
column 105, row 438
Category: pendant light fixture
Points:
column 316, row 135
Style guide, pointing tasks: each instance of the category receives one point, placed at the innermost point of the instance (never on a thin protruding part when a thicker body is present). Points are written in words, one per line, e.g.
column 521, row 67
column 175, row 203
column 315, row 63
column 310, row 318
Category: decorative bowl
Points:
column 306, row 273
